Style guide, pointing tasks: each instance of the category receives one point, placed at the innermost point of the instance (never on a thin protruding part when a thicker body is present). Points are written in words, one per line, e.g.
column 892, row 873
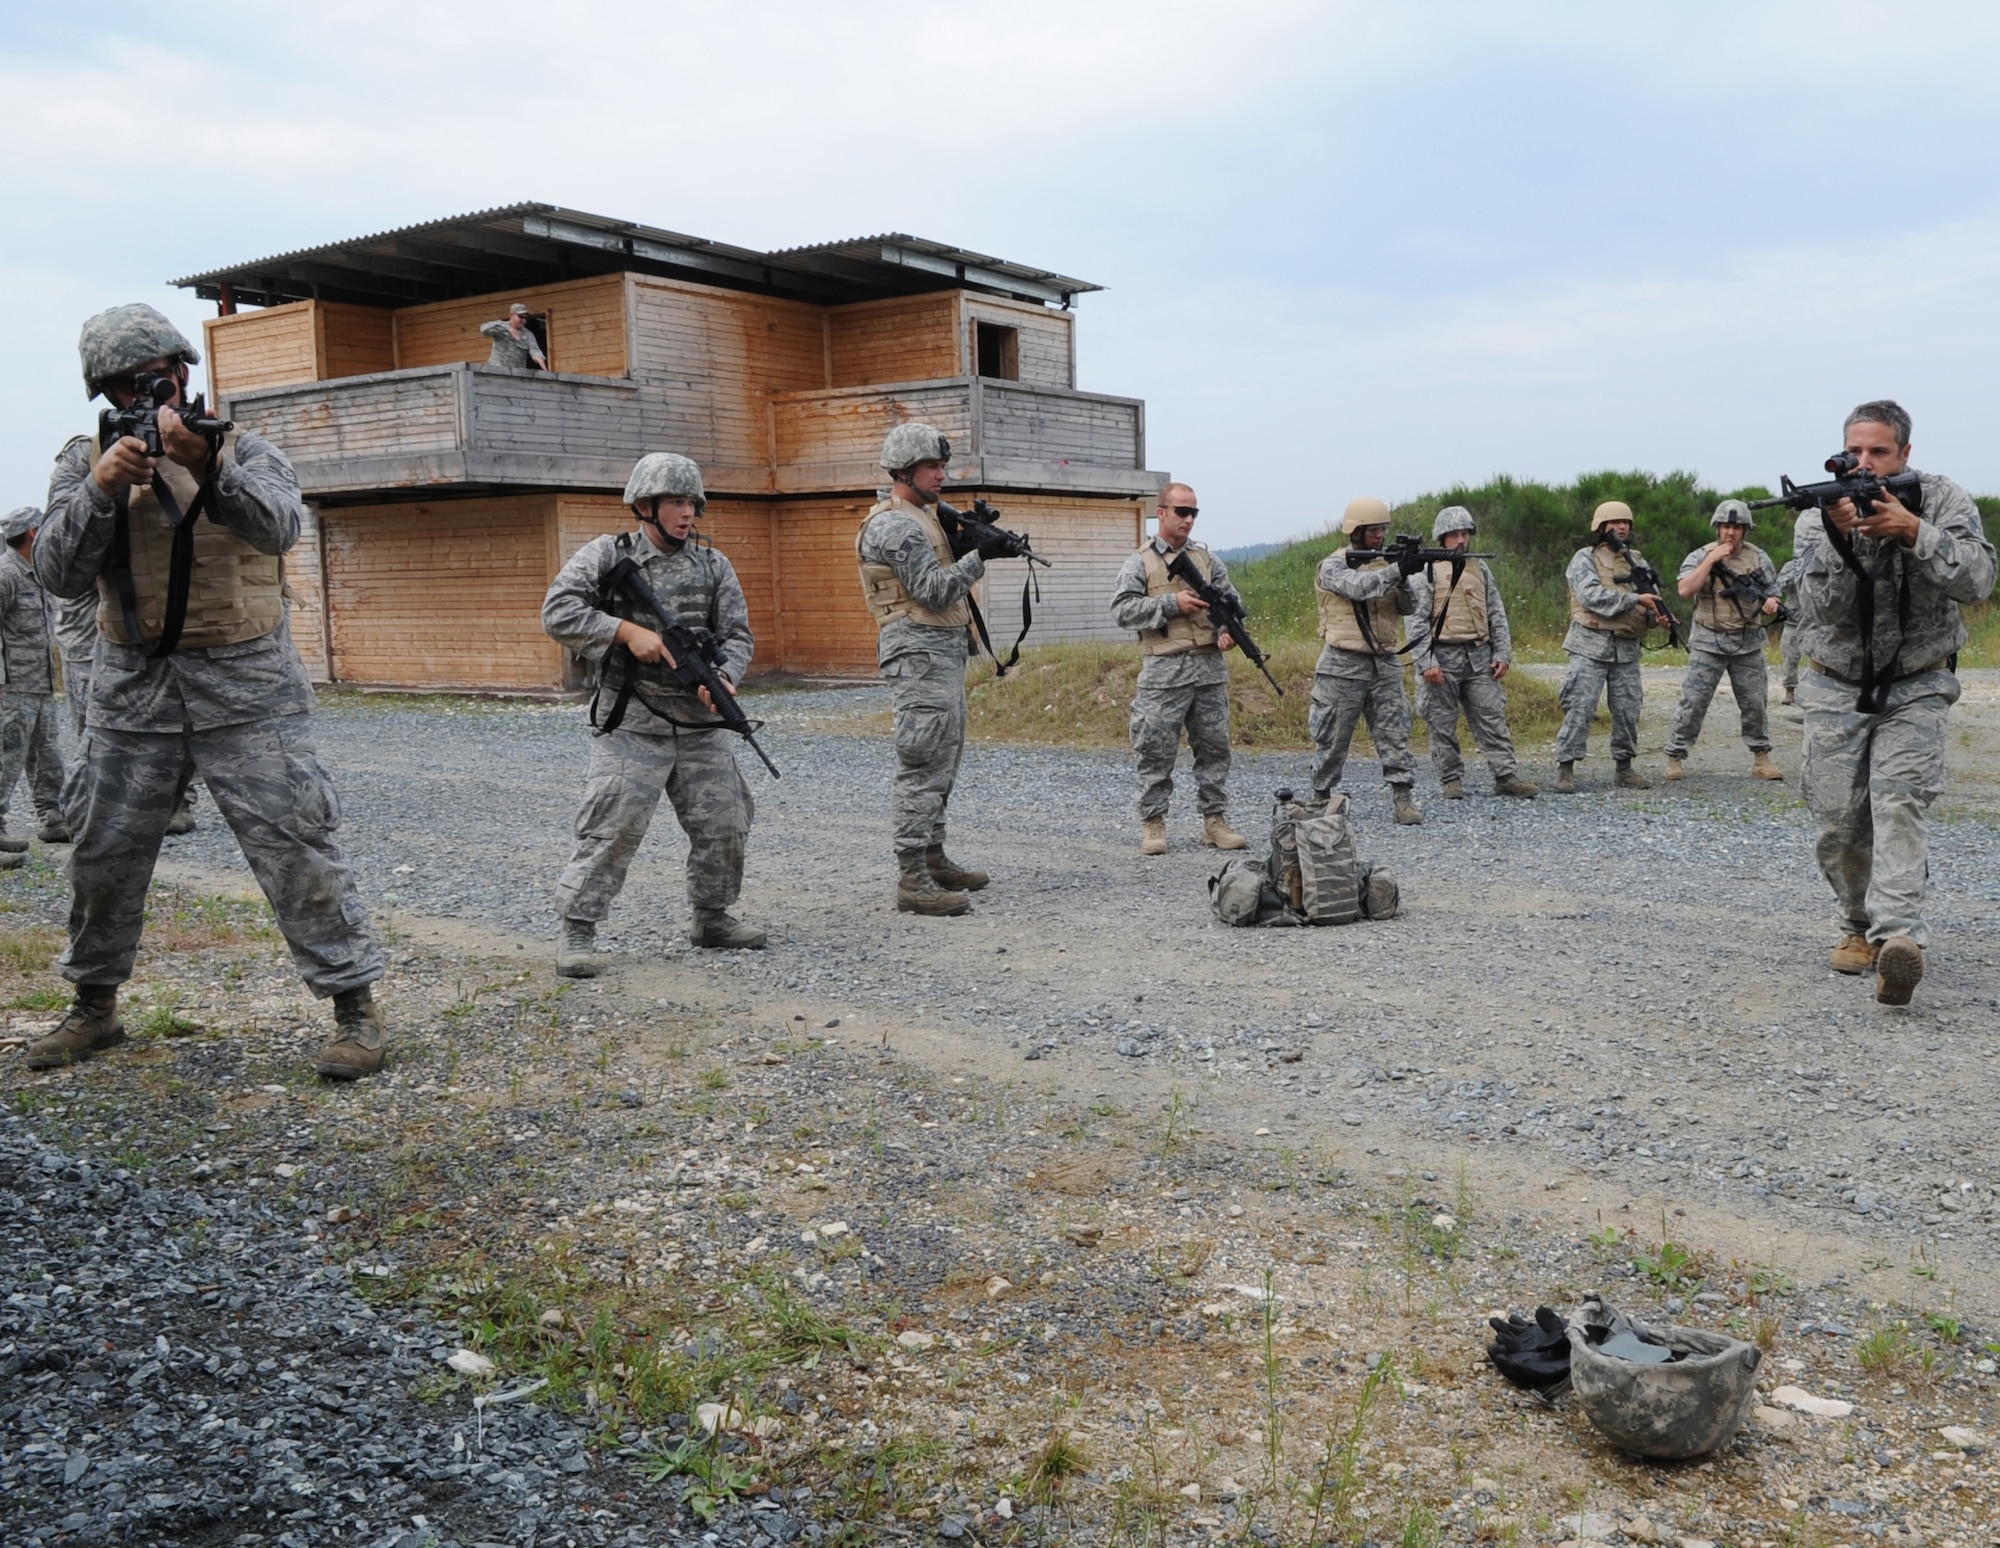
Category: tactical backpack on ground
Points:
column 1313, row 874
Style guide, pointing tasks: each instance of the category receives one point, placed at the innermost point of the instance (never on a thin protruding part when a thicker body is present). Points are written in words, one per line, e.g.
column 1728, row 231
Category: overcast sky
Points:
column 1349, row 248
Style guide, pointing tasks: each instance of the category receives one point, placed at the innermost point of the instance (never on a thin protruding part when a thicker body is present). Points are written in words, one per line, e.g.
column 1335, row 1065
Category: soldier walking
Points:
column 1463, row 650
column 668, row 739
column 1183, row 679
column 1609, row 618
column 27, row 689
column 196, row 673
column 1360, row 672
column 1880, row 633
column 1728, row 637
column 920, row 594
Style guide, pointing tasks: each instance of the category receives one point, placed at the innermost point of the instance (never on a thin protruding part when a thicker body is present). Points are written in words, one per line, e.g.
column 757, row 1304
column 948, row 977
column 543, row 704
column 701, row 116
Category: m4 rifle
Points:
column 1645, row 578
column 1224, row 611
column 1850, row 481
column 1751, row 593
column 140, row 419
column 979, row 531
column 1408, row 554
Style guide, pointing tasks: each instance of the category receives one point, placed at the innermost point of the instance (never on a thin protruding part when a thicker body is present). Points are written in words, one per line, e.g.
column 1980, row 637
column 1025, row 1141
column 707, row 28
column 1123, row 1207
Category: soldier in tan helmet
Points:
column 1609, row 618
column 1362, row 603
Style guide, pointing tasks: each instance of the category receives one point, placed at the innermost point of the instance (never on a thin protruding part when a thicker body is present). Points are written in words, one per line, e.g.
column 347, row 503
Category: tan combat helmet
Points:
column 1367, row 511
column 1732, row 513
column 116, row 340
column 1610, row 510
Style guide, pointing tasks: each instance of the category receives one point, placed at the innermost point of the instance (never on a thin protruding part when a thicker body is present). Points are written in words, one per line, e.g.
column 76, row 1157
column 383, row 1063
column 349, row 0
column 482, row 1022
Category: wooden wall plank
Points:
column 586, row 326
column 1047, row 338
column 356, row 340
column 904, row 339
column 266, row 348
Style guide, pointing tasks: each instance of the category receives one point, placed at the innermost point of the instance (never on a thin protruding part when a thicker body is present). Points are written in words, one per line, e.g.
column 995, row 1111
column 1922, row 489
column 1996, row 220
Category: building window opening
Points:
column 998, row 350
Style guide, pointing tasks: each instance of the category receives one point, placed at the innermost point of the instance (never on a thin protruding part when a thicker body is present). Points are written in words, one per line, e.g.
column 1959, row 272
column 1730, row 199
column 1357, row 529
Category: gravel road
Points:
column 1630, row 987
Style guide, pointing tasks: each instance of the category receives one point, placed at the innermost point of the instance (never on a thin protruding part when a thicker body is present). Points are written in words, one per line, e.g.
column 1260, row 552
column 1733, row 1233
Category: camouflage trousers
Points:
column 267, row 781
column 1870, row 780
column 1158, row 714
column 1582, row 685
column 76, row 694
column 1749, row 680
column 628, row 772
column 1338, row 706
column 28, row 742
column 1788, row 648
column 929, row 690
column 1469, row 684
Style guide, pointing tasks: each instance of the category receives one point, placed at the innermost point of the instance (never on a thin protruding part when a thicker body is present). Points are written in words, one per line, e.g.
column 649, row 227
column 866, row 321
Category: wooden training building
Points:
column 446, row 492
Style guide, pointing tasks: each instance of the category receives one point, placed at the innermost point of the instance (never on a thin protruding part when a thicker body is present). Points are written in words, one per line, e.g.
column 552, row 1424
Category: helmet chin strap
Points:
column 924, row 496
column 672, row 545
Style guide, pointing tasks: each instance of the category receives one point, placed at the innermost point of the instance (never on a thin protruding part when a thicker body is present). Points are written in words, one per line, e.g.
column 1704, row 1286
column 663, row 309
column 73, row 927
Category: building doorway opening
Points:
column 998, row 351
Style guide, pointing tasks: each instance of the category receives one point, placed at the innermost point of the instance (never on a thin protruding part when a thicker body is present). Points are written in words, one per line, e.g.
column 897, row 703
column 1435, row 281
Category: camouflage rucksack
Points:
column 1316, row 868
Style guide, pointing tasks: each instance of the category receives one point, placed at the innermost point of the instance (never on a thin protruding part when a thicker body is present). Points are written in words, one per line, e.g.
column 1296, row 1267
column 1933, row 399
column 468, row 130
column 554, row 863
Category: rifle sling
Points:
column 1875, row 685
column 1457, row 574
column 623, row 580
column 180, row 572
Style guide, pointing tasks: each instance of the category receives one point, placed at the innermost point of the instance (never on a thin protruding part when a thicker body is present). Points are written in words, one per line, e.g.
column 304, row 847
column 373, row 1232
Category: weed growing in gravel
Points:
column 1337, row 1475
column 1179, row 1127
column 1060, row 1458
column 29, row 952
column 714, row 1079
column 39, row 1000
column 1672, row 1265
column 163, row 1019
column 1886, row 1351
column 715, row 1480
column 1947, row 1325
column 1420, row 1526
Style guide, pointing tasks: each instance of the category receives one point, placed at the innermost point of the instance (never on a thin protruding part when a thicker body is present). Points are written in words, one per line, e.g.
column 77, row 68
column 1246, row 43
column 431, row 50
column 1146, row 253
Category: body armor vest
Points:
column 1184, row 631
column 235, row 594
column 1615, row 570
column 687, row 605
column 1461, row 618
column 1725, row 613
column 1340, row 620
column 883, row 589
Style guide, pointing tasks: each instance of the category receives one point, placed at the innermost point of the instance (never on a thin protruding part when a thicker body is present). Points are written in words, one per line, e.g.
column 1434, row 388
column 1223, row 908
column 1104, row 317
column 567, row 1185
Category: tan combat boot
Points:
column 91, row 1026
column 1454, row 790
column 1761, row 767
column 1629, row 778
column 917, row 891
column 1676, row 769
column 1514, row 785
column 182, row 820
column 1855, row 954
column 1566, row 778
column 1217, row 834
column 356, row 1049
column 1408, row 813
column 953, row 878
column 718, row 927
column 1899, row 967
column 1153, row 836
column 577, row 956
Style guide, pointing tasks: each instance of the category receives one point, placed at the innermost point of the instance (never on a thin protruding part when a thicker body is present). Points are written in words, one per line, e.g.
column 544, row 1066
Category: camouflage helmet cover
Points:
column 1732, row 513
column 660, row 475
column 19, row 522
column 912, row 443
column 116, row 340
column 1453, row 518
column 1367, row 511
column 1610, row 510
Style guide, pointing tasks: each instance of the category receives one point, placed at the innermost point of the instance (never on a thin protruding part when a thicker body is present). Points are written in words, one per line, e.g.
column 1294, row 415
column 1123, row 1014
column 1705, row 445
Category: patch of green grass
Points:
column 715, row 1079
column 46, row 999
column 163, row 1019
column 1673, row 1265
column 1886, row 1351
column 1060, row 1458
column 715, row 1479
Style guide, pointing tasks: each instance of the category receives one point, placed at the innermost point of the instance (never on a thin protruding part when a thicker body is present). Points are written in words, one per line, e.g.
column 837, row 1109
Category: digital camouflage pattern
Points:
column 522, row 354
column 1672, row 1411
column 892, row 536
column 660, row 474
column 1583, row 684
column 1339, row 704
column 1729, row 642
column 929, row 696
column 267, row 781
column 1749, row 679
column 1469, row 684
column 28, row 744
column 912, row 443
column 629, row 771
column 27, row 628
column 1186, row 691
column 1788, row 638
column 1132, row 608
column 1588, row 588
column 76, row 634
column 116, row 340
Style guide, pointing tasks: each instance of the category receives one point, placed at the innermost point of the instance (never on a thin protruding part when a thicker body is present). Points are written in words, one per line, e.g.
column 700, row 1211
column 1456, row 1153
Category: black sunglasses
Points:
column 1189, row 511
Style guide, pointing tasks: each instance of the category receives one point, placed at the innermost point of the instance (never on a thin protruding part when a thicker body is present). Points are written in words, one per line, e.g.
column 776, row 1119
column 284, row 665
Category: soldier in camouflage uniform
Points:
column 668, row 740
column 27, row 689
column 1727, row 638
column 76, row 634
column 228, row 699
column 1183, row 679
column 920, row 592
column 1464, row 650
column 1360, row 672
column 1788, row 597
column 1607, row 632
column 1876, row 699
column 514, row 343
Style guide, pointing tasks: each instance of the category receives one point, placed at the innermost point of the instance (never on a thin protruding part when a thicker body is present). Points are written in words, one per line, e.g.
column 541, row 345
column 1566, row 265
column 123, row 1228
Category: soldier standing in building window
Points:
column 1464, row 651
column 1728, row 637
column 227, row 698
column 27, row 689
column 1360, row 673
column 668, row 740
column 1183, row 680
column 1608, row 620
column 514, row 343
column 920, row 594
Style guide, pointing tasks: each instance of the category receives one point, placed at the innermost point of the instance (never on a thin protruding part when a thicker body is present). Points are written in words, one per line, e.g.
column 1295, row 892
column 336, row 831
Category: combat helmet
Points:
column 1732, row 513
column 18, row 523
column 1453, row 518
column 1367, row 511
column 659, row 475
column 1676, row 1408
column 1610, row 510
column 115, row 341
column 912, row 443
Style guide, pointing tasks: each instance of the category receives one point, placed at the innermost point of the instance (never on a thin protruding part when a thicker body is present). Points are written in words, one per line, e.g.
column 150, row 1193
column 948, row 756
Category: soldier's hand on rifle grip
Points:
column 644, row 644
column 182, row 444
column 1890, row 519
column 1843, row 515
column 1770, row 606
column 1651, row 602
column 124, row 463
column 708, row 703
column 1188, row 602
column 1223, row 641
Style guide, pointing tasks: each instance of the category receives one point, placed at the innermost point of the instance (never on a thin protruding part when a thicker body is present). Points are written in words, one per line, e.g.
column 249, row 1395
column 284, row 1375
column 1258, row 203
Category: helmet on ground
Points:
column 1679, row 1408
column 18, row 523
column 1453, row 518
column 1610, row 510
column 1367, row 511
column 912, row 443
column 660, row 475
column 115, row 341
column 1732, row 513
